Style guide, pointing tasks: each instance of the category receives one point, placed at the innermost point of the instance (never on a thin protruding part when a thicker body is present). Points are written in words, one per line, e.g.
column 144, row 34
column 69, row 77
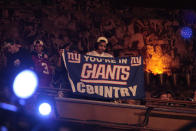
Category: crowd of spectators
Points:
column 75, row 25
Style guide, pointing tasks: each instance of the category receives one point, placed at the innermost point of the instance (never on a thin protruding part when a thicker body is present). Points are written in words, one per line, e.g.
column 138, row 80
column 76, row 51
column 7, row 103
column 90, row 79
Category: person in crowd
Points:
column 193, row 96
column 2, row 66
column 38, row 50
column 60, row 79
column 60, row 70
column 41, row 64
column 100, row 51
column 100, row 48
column 163, row 94
column 17, row 60
column 166, row 95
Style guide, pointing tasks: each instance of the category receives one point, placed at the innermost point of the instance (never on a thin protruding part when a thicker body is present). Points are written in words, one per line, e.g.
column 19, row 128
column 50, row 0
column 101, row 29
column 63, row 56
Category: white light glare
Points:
column 44, row 109
column 25, row 84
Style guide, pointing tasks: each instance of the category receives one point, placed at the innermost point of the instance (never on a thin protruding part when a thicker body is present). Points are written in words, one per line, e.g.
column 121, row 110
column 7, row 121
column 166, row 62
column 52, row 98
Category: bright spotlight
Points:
column 186, row 32
column 25, row 84
column 45, row 109
column 3, row 128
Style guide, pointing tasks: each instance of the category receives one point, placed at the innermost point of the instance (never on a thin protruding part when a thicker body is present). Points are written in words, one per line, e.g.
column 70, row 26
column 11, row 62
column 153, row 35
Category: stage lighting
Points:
column 25, row 84
column 3, row 128
column 186, row 32
column 45, row 109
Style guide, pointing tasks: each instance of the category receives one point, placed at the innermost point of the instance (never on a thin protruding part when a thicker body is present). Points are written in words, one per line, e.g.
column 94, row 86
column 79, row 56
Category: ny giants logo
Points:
column 73, row 57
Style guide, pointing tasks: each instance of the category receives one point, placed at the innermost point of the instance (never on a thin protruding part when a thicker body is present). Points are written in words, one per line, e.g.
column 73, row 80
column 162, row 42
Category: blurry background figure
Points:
column 60, row 79
column 100, row 48
column 60, row 76
column 166, row 96
column 17, row 60
column 194, row 96
column 163, row 94
column 41, row 64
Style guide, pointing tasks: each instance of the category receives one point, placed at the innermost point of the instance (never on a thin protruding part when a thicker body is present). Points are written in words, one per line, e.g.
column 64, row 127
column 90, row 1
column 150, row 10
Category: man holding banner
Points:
column 100, row 48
